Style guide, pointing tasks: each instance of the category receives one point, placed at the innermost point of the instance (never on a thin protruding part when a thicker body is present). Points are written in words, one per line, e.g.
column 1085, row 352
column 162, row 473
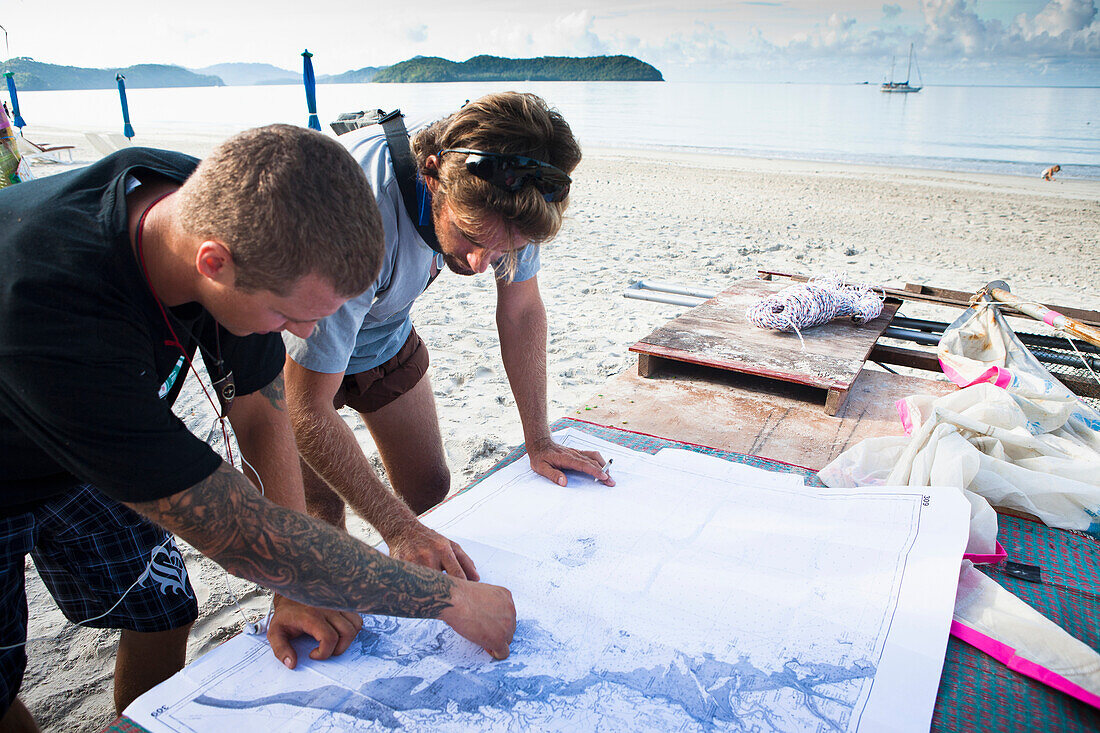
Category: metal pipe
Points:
column 663, row 287
column 1031, row 339
column 657, row 297
column 917, row 337
column 1069, row 360
column 1044, row 355
column 918, row 324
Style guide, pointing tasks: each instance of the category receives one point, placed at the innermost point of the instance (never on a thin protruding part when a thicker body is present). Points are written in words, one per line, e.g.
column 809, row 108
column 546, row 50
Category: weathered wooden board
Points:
column 717, row 334
column 752, row 415
column 945, row 296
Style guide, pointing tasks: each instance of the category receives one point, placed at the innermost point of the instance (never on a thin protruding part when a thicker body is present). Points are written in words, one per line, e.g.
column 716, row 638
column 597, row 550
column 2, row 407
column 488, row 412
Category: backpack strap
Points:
column 404, row 168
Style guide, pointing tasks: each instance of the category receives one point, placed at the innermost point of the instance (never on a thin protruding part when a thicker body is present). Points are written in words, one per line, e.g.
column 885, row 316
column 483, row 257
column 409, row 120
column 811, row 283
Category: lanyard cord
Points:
column 252, row 627
column 175, row 339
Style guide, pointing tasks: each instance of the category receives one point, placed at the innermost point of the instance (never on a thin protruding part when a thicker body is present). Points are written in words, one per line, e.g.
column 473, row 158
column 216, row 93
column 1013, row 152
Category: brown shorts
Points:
column 375, row 388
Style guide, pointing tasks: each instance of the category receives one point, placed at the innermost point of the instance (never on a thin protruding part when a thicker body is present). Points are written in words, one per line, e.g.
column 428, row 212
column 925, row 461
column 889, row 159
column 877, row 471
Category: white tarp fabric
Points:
column 1012, row 437
column 1036, row 645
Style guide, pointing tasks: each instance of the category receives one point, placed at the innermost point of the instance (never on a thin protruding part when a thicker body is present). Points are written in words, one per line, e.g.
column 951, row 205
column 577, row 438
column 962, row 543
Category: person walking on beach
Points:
column 115, row 276
column 494, row 182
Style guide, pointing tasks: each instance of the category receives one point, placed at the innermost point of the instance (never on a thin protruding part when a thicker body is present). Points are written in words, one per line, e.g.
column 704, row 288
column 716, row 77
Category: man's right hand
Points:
column 417, row 544
column 484, row 614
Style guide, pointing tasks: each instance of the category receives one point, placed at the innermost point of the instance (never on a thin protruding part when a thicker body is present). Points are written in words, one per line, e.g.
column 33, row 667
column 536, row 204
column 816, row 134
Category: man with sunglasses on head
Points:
column 493, row 180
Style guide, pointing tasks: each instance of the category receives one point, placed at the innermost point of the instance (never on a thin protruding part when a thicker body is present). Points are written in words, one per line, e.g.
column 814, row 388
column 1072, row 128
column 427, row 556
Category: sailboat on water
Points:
column 903, row 87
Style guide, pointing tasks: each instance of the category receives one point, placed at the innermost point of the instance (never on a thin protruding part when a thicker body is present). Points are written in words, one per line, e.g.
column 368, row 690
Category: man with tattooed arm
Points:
column 114, row 277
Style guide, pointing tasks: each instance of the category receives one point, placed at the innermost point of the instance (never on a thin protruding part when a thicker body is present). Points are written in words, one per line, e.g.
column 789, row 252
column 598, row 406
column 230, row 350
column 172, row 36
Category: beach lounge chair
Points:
column 118, row 141
column 100, row 143
column 44, row 153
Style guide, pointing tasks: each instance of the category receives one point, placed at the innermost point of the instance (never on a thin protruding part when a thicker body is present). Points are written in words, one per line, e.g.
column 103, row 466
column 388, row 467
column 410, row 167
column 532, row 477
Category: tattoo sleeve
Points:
column 303, row 558
column 275, row 393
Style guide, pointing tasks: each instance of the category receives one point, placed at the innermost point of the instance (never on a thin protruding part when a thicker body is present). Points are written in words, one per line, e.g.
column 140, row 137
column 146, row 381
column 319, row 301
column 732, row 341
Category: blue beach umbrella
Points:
column 18, row 121
column 311, row 90
column 127, row 128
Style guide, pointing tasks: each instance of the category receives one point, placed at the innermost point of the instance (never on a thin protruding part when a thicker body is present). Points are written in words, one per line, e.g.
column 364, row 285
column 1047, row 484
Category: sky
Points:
column 1053, row 42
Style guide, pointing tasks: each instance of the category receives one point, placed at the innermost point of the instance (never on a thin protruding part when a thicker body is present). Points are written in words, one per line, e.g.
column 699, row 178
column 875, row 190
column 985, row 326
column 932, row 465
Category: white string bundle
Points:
column 809, row 304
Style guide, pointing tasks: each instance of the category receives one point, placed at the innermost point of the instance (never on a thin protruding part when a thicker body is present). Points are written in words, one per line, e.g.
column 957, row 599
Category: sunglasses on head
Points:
column 513, row 172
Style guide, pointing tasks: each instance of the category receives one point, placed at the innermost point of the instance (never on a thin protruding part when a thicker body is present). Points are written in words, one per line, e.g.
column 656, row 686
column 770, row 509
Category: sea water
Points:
column 1016, row 130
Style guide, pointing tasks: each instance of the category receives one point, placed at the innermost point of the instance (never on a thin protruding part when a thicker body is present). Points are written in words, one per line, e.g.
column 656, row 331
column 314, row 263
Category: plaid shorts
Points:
column 89, row 549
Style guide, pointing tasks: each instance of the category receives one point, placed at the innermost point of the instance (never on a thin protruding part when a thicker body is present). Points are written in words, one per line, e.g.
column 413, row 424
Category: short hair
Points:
column 510, row 123
column 286, row 202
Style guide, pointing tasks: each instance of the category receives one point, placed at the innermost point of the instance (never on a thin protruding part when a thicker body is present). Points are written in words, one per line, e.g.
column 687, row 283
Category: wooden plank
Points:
column 835, row 400
column 945, row 296
column 717, row 334
column 647, row 365
column 913, row 358
column 751, row 414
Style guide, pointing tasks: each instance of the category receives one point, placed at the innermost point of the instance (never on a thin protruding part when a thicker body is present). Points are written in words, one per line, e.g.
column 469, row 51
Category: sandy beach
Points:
column 696, row 219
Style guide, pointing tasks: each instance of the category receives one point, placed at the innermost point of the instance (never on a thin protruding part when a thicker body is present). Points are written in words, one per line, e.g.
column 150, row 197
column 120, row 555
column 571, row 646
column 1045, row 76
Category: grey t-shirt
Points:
column 371, row 328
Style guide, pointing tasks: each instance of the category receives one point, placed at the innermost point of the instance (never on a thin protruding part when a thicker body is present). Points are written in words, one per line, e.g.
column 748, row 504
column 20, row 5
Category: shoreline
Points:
column 188, row 140
column 683, row 217
column 1085, row 189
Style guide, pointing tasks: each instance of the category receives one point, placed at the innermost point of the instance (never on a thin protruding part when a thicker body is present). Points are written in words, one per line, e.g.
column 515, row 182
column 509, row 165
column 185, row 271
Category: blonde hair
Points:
column 286, row 202
column 510, row 123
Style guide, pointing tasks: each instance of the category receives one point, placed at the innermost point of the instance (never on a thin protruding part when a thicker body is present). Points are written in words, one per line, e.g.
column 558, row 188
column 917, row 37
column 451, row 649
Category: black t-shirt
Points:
column 88, row 369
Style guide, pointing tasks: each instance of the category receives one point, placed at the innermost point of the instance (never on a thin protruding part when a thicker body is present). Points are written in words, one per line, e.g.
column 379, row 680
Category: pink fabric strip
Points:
column 1007, row 656
column 953, row 375
column 998, row 376
column 1050, row 316
column 996, row 557
column 903, row 414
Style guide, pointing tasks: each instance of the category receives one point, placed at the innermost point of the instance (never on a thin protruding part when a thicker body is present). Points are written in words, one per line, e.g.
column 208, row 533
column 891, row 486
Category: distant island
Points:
column 240, row 75
column 35, row 76
column 543, row 68
column 31, row 75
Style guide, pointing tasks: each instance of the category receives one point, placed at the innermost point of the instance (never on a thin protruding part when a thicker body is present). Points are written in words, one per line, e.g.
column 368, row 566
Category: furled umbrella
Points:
column 311, row 90
column 127, row 128
column 18, row 121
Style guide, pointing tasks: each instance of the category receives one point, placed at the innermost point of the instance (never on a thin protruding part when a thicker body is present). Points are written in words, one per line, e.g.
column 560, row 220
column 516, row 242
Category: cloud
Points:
column 576, row 31
column 950, row 30
column 953, row 28
column 416, row 33
column 1067, row 28
column 1058, row 17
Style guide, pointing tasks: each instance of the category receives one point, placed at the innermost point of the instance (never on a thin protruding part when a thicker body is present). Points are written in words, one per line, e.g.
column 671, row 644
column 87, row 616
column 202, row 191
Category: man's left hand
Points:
column 333, row 630
column 549, row 459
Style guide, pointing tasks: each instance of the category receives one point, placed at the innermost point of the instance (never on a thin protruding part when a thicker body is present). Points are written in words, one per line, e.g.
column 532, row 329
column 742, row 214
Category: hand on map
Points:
column 484, row 614
column 419, row 545
column 549, row 458
column 333, row 630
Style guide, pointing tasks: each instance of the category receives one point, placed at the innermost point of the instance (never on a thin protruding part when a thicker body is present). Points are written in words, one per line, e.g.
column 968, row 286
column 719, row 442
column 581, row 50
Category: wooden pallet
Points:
column 717, row 334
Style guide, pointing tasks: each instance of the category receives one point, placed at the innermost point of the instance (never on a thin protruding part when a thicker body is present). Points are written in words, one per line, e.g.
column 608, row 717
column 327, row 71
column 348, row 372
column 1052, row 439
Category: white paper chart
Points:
column 696, row 594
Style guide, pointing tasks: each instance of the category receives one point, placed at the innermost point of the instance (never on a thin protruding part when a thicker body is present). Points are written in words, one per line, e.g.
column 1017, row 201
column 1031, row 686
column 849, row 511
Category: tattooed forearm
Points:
column 296, row 555
column 275, row 393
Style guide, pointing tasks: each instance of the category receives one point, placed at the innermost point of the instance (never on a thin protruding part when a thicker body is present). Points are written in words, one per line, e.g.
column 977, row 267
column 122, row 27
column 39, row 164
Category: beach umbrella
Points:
column 311, row 90
column 18, row 121
column 127, row 128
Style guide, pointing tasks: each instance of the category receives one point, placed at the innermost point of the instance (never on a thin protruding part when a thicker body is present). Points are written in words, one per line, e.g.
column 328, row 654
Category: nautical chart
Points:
column 696, row 594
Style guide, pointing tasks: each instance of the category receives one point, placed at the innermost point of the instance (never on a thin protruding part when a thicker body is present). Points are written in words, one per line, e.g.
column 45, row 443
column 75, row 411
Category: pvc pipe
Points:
column 663, row 287
column 657, row 297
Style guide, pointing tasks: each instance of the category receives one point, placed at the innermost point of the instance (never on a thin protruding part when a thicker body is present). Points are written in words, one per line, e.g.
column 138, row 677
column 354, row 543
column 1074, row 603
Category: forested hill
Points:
column 544, row 68
column 31, row 75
